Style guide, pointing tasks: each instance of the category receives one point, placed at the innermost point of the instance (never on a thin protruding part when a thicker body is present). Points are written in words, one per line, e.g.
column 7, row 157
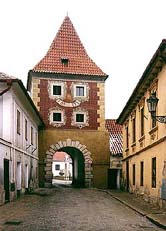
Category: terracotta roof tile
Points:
column 60, row 156
column 115, row 133
column 67, row 45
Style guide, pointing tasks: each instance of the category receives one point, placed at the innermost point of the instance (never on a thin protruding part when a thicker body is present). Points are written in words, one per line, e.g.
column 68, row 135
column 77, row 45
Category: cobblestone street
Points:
column 71, row 209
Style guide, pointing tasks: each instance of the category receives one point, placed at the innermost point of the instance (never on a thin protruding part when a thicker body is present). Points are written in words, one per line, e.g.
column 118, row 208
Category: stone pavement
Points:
column 153, row 213
column 68, row 209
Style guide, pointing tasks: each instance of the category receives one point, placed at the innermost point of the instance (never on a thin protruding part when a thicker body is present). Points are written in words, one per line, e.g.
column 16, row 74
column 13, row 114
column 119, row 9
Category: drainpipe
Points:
column 9, row 83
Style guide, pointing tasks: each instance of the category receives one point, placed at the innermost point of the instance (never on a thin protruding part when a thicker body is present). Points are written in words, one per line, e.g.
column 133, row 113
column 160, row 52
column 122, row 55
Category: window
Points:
column 18, row 122
column 26, row 129
column 127, row 137
column 57, row 90
column 142, row 173
column 57, row 116
column 142, row 121
column 134, row 131
column 153, row 118
column 31, row 135
column 154, row 172
column 57, row 167
column 80, row 118
column 65, row 61
column 80, row 90
column 133, row 174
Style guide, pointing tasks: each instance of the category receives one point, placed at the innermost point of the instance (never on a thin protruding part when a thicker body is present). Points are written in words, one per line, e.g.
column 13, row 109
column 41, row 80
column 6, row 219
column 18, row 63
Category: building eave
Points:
column 53, row 75
column 19, row 82
column 150, row 73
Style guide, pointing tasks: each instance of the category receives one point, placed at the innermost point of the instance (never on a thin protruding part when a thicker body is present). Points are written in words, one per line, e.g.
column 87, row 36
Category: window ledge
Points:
column 133, row 144
column 142, row 138
column 153, row 130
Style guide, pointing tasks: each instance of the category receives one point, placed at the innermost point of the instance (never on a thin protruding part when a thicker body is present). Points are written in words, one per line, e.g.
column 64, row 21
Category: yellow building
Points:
column 144, row 133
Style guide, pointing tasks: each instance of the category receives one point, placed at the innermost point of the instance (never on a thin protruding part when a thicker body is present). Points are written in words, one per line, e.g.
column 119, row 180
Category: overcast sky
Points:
column 120, row 36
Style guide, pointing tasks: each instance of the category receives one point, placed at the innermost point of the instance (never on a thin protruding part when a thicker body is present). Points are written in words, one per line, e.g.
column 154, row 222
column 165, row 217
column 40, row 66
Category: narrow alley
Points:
column 71, row 209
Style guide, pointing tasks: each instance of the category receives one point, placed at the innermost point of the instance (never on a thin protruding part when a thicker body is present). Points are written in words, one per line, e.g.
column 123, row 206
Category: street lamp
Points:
column 152, row 105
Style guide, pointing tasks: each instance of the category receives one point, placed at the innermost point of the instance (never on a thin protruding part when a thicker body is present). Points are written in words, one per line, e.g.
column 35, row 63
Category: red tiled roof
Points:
column 60, row 156
column 115, row 133
column 67, row 45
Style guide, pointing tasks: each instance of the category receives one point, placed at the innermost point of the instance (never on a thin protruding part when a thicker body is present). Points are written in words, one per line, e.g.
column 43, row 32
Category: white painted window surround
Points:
column 51, row 85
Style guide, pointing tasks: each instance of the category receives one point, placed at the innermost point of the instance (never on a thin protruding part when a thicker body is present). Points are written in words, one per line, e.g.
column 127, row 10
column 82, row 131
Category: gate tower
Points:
column 67, row 87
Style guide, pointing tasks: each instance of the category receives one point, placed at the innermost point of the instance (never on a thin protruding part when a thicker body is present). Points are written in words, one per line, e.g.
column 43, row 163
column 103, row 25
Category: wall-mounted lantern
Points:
column 152, row 105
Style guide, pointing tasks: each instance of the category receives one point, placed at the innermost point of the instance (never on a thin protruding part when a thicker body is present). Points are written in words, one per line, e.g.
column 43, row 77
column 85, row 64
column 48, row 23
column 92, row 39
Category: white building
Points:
column 62, row 166
column 19, row 123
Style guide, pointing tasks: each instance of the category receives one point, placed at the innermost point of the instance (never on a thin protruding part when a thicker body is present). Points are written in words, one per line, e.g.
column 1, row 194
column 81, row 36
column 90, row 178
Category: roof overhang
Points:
column 18, row 85
column 62, row 76
column 150, row 73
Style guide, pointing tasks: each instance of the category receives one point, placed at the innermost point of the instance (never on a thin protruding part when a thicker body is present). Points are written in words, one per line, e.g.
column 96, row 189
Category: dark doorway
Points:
column 6, row 180
column 112, row 178
column 127, row 175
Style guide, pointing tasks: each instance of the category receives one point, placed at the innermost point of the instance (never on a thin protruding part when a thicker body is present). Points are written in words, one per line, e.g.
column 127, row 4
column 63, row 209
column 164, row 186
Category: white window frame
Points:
column 80, row 124
column 75, row 91
column 74, row 86
column 57, row 123
column 58, row 85
column 51, row 84
column 80, row 113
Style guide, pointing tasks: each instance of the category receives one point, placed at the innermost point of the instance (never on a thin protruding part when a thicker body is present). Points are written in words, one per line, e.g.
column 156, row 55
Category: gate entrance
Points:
column 82, row 174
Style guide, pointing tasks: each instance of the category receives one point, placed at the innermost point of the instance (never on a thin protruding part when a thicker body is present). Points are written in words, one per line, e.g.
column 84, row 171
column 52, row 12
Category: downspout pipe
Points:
column 9, row 83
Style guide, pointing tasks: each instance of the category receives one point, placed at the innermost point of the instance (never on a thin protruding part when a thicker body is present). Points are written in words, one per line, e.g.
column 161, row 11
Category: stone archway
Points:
column 68, row 143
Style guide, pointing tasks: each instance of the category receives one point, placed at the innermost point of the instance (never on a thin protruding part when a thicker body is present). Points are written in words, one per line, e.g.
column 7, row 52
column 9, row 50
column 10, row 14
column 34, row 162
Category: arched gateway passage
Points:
column 82, row 162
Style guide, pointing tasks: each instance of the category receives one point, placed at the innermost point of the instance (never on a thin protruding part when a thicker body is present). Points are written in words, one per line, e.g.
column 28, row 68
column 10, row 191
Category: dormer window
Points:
column 65, row 61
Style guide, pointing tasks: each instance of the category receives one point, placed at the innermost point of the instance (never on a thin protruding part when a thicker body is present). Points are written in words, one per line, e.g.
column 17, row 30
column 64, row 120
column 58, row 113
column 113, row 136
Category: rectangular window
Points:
column 26, row 129
column 154, row 172
column 127, row 137
column 57, row 117
column 142, row 173
column 134, row 131
column 57, row 90
column 80, row 91
column 57, row 167
column 18, row 122
column 153, row 120
column 142, row 121
column 133, row 174
column 31, row 135
column 80, row 118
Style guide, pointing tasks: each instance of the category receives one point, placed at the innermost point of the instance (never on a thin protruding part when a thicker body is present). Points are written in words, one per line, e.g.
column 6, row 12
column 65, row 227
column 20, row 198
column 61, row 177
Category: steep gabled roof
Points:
column 67, row 47
column 115, row 133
